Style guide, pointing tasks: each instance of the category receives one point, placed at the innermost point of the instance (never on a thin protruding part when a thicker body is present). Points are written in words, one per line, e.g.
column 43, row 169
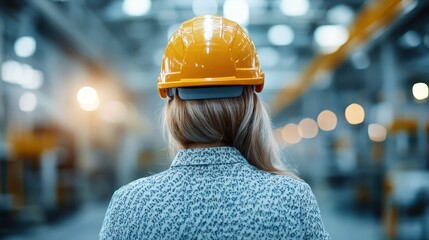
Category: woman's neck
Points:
column 204, row 145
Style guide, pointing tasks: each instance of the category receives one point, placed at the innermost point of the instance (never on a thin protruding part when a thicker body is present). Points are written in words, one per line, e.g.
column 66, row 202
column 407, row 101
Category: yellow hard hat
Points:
column 209, row 52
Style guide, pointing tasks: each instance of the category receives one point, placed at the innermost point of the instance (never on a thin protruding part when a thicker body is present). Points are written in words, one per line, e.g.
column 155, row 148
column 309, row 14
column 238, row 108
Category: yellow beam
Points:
column 374, row 17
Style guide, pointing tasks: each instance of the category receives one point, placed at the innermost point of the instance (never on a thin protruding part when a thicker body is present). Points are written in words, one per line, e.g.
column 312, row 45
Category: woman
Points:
column 227, row 180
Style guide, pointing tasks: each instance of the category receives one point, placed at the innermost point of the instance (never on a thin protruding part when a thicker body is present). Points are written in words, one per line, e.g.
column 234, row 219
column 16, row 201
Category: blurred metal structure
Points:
column 371, row 22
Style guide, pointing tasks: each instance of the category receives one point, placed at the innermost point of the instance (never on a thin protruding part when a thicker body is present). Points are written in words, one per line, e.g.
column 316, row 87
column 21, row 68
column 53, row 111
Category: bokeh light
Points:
column 290, row 134
column 25, row 46
column 88, row 98
column 268, row 56
column 420, row 91
column 114, row 112
column 327, row 120
column 294, row 7
column 281, row 35
column 410, row 39
column 21, row 74
column 360, row 60
column 340, row 14
column 323, row 36
column 28, row 102
column 377, row 132
column 308, row 128
column 236, row 10
column 355, row 114
column 136, row 7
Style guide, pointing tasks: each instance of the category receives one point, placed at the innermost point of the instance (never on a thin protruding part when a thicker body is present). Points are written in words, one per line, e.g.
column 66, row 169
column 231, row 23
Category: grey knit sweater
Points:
column 213, row 193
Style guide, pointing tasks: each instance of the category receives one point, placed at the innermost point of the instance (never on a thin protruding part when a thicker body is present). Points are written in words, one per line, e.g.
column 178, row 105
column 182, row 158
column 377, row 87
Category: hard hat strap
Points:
column 171, row 92
column 212, row 92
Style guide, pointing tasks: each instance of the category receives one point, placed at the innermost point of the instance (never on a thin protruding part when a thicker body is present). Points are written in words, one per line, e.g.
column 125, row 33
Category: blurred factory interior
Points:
column 79, row 109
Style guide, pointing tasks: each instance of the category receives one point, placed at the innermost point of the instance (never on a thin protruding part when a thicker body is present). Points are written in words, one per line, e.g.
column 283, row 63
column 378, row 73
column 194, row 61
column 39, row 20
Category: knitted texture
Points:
column 213, row 193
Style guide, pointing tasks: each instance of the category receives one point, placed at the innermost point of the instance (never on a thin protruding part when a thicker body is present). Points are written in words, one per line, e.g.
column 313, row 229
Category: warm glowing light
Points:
column 290, row 134
column 236, row 10
column 88, row 98
column 377, row 132
column 28, row 102
column 281, row 35
column 324, row 37
column 294, row 7
column 420, row 91
column 136, row 7
column 355, row 113
column 25, row 46
column 308, row 128
column 204, row 7
column 114, row 112
column 327, row 120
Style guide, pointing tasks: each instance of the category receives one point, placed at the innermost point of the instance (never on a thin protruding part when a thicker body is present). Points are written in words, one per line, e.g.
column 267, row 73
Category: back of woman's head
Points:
column 241, row 122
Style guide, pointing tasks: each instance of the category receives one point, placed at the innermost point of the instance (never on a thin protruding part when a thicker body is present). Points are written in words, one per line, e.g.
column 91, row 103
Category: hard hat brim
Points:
column 207, row 82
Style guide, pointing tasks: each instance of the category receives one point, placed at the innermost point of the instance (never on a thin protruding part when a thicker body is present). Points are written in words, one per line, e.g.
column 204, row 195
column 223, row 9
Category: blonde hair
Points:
column 240, row 122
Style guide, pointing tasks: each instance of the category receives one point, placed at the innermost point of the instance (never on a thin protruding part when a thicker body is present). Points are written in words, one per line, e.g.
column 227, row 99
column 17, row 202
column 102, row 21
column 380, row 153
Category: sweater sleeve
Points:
column 111, row 228
column 310, row 215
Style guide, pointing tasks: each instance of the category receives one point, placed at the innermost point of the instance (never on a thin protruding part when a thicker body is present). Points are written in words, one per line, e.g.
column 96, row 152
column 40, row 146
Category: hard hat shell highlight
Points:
column 209, row 51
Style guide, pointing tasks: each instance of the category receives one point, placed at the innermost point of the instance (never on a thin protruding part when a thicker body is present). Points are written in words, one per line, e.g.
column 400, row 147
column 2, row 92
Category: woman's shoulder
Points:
column 292, row 181
column 138, row 185
column 283, row 177
column 284, row 182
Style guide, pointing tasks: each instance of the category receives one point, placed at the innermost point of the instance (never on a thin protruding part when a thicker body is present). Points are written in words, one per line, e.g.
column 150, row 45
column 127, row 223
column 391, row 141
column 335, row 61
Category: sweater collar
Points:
column 208, row 156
